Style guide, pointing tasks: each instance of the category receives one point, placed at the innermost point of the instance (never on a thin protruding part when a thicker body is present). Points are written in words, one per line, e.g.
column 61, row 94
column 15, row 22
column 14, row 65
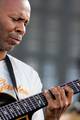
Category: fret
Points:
column 30, row 104
column 33, row 105
column 12, row 111
column 17, row 112
column 39, row 100
column 36, row 98
column 6, row 113
column 70, row 85
column 16, row 108
column 24, row 106
column 75, row 85
column 35, row 101
column 2, row 117
column 7, row 110
column 27, row 105
column 44, row 99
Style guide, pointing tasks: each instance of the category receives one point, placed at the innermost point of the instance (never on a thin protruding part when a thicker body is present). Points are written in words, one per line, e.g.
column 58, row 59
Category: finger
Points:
column 69, row 94
column 54, row 92
column 62, row 99
column 51, row 94
column 62, row 96
column 52, row 104
column 53, row 97
column 57, row 93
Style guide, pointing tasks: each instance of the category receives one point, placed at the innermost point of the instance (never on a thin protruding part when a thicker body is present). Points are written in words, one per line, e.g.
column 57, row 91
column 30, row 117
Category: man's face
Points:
column 14, row 16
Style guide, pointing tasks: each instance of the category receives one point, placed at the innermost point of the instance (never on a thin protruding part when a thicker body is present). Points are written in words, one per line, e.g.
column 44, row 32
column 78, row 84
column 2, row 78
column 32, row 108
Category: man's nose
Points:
column 21, row 29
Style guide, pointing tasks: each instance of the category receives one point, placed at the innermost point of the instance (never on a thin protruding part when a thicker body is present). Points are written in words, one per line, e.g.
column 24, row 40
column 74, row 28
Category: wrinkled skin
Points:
column 58, row 105
column 14, row 17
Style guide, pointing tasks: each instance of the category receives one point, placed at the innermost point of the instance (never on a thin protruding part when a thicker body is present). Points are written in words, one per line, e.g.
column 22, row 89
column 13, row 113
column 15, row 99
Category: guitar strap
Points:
column 11, row 73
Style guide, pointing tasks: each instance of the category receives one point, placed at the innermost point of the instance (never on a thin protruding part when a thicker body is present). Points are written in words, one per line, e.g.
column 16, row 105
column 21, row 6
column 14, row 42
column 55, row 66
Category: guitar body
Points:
column 6, row 99
column 12, row 109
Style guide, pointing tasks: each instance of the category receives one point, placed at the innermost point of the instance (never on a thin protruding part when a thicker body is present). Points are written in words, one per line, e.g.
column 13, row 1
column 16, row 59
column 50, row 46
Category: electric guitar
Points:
column 10, row 109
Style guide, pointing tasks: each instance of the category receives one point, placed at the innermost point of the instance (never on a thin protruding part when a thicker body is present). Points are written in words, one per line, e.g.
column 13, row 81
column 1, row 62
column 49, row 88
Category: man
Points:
column 14, row 17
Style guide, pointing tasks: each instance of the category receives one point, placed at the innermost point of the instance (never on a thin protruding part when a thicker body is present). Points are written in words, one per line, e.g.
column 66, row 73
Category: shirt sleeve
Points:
column 38, row 115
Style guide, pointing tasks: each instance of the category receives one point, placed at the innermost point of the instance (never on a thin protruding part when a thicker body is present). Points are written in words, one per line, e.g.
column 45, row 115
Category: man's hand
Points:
column 58, row 100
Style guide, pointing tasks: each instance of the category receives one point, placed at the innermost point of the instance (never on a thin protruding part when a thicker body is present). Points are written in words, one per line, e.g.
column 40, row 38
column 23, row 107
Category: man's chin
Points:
column 10, row 48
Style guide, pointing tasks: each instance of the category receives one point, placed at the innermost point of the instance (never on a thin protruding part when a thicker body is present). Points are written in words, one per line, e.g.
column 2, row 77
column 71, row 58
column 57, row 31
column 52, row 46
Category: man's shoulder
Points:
column 26, row 72
column 20, row 64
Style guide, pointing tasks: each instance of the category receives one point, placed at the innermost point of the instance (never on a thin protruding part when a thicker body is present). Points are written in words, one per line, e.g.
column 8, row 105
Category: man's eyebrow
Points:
column 26, row 20
column 21, row 18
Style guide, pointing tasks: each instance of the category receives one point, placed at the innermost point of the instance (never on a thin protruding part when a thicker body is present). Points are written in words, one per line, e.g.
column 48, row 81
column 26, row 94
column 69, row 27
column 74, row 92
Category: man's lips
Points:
column 14, row 41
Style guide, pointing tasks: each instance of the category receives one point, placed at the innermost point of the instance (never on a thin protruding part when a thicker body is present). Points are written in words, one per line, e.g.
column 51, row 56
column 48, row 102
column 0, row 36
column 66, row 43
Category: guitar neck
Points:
column 75, row 85
column 19, row 108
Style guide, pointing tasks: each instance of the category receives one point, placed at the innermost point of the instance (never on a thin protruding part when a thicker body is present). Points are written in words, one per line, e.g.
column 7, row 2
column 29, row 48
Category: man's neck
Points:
column 2, row 55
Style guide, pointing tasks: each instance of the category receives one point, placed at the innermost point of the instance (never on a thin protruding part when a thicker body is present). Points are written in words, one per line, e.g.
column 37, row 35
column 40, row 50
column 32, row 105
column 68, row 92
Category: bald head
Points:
column 12, row 3
column 6, row 1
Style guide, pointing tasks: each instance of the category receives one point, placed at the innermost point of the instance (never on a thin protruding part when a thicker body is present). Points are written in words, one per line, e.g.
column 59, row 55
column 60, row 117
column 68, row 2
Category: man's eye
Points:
column 26, row 23
column 14, row 19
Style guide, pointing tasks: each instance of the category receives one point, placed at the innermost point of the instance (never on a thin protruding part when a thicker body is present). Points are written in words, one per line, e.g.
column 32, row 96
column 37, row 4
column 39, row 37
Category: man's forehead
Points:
column 17, row 6
column 4, row 1
column 10, row 4
column 13, row 2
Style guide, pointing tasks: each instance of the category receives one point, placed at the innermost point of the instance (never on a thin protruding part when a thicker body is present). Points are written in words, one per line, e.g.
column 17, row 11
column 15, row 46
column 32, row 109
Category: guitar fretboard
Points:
column 22, row 107
column 75, row 85
column 19, row 108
